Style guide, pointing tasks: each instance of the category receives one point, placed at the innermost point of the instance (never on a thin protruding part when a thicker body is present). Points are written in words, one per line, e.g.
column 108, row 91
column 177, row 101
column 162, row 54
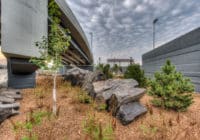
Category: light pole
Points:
column 91, row 34
column 91, row 47
column 154, row 22
column 99, row 60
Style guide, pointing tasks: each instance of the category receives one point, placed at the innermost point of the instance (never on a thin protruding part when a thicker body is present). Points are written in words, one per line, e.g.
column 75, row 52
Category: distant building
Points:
column 120, row 61
column 123, row 63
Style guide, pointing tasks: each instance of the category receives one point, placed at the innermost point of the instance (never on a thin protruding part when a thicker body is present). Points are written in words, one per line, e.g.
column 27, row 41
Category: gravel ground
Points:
column 157, row 124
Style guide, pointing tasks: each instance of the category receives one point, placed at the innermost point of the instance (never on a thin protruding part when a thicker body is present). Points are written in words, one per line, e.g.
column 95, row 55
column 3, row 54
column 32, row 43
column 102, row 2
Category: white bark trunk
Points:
column 54, row 94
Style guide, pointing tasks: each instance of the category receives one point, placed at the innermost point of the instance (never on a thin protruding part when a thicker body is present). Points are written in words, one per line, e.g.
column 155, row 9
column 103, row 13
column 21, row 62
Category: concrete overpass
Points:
column 23, row 22
column 79, row 53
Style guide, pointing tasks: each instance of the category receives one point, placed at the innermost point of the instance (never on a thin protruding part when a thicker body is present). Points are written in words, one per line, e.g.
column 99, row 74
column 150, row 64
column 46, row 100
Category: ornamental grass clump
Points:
column 95, row 130
column 171, row 89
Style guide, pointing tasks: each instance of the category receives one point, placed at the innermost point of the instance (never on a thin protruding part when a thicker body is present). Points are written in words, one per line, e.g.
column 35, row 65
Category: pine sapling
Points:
column 171, row 89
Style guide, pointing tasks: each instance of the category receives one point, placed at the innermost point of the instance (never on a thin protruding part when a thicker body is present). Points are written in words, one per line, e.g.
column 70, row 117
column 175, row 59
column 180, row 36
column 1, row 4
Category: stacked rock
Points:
column 122, row 98
column 121, row 95
column 8, row 104
column 83, row 78
column 76, row 76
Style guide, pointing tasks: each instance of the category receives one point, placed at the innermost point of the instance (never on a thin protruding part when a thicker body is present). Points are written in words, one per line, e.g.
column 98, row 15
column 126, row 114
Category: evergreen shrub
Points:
column 171, row 89
column 134, row 71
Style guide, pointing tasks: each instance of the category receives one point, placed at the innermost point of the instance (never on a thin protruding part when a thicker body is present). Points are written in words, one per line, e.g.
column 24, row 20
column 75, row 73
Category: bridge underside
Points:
column 72, row 57
column 79, row 52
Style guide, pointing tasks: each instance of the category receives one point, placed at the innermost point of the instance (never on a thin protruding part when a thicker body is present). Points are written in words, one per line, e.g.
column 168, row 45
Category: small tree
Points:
column 115, row 68
column 52, row 48
column 170, row 89
column 134, row 71
column 105, row 69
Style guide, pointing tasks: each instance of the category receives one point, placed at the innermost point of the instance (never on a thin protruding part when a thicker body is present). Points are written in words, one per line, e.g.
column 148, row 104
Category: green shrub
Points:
column 84, row 98
column 40, row 93
column 116, row 69
column 148, row 131
column 95, row 130
column 38, row 116
column 29, row 138
column 106, row 70
column 171, row 89
column 34, row 118
column 134, row 71
column 100, row 106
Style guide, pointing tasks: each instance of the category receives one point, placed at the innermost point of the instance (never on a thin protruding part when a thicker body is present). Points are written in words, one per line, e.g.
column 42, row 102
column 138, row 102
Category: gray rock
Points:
column 128, row 112
column 8, row 104
column 76, row 76
column 113, row 83
column 124, row 89
column 88, row 82
column 83, row 78
column 123, row 96
column 120, row 95
column 6, row 113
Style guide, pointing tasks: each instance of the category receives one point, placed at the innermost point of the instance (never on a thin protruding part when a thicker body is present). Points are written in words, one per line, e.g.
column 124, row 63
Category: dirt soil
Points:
column 156, row 124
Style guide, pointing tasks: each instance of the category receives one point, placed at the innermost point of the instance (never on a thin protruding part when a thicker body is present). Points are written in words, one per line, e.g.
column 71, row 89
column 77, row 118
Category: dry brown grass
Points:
column 157, row 124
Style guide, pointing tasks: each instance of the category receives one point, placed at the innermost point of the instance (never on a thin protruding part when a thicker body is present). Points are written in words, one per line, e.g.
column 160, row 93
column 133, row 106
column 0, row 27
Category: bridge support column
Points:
column 21, row 73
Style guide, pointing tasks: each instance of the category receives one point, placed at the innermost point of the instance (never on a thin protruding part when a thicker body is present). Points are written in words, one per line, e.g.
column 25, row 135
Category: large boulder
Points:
column 88, row 82
column 4, row 114
column 121, row 97
column 8, row 104
column 84, row 79
column 76, row 76
column 123, row 89
column 128, row 112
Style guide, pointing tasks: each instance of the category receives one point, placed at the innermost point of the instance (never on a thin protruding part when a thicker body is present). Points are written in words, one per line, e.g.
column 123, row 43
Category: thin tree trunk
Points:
column 54, row 94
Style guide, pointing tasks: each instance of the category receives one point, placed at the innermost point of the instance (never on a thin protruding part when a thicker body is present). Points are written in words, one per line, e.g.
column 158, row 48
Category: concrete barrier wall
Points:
column 184, row 53
column 23, row 22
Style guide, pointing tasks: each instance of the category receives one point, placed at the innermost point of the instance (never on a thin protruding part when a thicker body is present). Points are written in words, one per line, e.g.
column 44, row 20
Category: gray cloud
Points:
column 123, row 28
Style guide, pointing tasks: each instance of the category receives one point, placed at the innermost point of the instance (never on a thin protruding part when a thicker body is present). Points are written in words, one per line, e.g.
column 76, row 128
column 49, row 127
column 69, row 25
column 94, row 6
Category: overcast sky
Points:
column 123, row 28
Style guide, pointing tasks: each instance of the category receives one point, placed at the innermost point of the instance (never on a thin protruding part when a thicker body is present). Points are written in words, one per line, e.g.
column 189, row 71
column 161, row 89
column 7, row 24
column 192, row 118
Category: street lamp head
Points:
column 155, row 20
